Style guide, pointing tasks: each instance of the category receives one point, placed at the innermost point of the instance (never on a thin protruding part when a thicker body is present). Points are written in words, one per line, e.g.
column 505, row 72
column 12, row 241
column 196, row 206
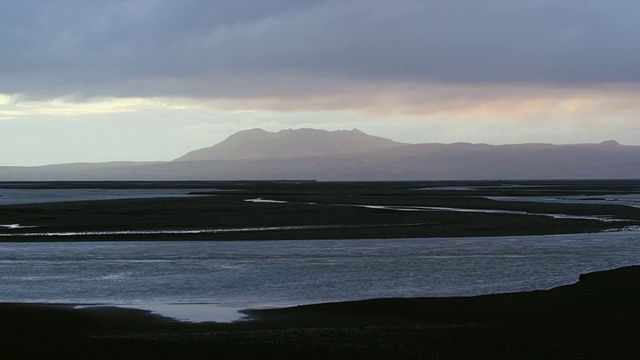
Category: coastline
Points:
column 594, row 318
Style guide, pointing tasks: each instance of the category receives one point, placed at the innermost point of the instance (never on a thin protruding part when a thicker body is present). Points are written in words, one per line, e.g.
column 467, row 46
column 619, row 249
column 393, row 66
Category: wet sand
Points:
column 312, row 210
column 596, row 318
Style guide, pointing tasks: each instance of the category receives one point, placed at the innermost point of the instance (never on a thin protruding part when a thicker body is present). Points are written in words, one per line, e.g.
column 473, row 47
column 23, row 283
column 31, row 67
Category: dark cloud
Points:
column 243, row 48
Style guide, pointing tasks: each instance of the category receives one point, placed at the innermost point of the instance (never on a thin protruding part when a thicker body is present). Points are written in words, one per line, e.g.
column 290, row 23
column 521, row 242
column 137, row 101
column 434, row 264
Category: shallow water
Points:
column 604, row 218
column 632, row 200
column 201, row 281
column 39, row 196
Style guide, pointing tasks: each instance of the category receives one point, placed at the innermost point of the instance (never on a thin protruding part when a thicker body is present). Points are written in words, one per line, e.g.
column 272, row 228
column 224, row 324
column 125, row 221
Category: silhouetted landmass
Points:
column 259, row 144
column 354, row 156
column 597, row 318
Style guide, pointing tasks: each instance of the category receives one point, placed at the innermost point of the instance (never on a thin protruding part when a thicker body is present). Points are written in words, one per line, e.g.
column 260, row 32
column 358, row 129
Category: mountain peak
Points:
column 258, row 143
column 610, row 143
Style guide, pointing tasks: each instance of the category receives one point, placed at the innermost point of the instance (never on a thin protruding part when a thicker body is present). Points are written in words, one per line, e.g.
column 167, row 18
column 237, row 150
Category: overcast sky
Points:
column 153, row 79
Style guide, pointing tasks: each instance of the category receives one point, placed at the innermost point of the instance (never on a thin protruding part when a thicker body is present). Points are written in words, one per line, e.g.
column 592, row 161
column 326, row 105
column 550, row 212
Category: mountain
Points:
column 352, row 155
column 258, row 143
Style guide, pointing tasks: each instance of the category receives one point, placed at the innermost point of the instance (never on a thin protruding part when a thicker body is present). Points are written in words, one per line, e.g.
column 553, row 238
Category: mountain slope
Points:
column 258, row 143
column 351, row 155
column 429, row 162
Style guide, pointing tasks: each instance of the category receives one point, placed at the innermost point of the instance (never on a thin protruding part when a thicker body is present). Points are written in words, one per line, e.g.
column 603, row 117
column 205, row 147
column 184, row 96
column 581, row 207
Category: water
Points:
column 33, row 196
column 157, row 232
column 212, row 280
column 632, row 200
column 604, row 218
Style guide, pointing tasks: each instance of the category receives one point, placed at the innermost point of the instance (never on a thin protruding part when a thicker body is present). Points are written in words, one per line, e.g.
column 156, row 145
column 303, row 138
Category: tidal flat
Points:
column 309, row 210
column 595, row 318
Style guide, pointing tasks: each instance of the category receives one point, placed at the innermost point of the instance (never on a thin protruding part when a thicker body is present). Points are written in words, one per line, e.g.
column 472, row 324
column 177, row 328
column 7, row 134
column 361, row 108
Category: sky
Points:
column 149, row 80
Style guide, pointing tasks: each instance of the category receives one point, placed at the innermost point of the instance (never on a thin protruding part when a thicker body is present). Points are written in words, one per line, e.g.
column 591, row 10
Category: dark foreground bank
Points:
column 597, row 318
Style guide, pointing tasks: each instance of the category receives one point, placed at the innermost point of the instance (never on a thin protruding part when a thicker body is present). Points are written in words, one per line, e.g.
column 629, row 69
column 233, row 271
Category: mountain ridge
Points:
column 258, row 143
column 311, row 154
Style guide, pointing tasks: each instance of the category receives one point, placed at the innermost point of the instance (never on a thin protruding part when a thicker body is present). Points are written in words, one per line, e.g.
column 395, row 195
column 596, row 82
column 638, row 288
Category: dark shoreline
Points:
column 595, row 318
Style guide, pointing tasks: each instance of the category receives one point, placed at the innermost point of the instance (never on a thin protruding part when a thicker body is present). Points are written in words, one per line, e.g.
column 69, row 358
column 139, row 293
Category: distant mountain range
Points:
column 307, row 154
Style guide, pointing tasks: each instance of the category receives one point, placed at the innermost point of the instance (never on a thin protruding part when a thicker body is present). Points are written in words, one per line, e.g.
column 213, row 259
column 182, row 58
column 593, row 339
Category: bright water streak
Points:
column 243, row 274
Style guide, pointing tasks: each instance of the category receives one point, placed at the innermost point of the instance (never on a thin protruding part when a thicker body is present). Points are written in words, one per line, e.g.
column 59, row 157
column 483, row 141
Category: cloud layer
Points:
column 283, row 49
column 152, row 79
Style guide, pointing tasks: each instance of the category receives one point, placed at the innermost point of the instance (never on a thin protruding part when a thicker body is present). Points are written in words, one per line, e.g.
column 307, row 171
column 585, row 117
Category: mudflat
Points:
column 320, row 210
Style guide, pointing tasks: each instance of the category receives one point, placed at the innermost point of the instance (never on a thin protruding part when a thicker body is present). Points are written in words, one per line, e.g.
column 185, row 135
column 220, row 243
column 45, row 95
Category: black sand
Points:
column 333, row 210
column 598, row 318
